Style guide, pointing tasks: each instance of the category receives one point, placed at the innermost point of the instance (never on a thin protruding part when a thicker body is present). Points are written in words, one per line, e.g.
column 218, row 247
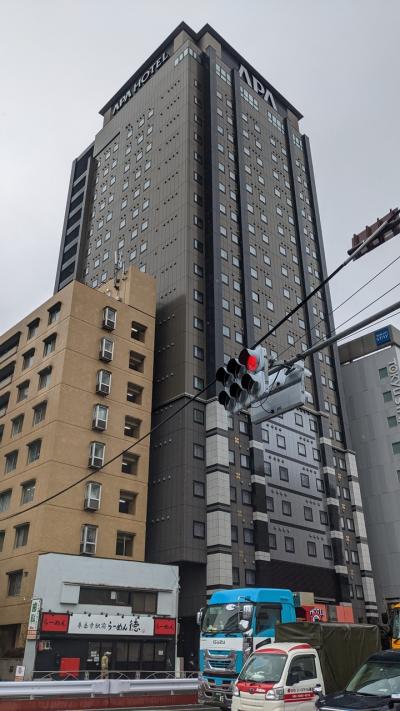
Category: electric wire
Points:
column 192, row 398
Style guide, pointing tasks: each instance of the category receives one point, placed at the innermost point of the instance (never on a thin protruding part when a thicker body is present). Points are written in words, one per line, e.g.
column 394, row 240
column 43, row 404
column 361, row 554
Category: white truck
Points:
column 279, row 677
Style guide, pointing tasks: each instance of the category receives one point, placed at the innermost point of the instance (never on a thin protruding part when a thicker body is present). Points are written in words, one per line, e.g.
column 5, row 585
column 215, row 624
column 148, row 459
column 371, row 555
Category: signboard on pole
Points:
column 34, row 618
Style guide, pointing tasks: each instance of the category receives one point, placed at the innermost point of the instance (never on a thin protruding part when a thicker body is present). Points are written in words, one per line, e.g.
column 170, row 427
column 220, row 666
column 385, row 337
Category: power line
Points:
column 192, row 398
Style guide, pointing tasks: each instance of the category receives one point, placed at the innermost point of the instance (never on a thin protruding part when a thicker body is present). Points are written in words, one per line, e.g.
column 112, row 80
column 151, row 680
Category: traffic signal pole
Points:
column 337, row 337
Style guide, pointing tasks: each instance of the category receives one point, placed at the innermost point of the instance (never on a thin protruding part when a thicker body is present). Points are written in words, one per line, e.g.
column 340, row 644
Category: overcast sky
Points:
column 61, row 60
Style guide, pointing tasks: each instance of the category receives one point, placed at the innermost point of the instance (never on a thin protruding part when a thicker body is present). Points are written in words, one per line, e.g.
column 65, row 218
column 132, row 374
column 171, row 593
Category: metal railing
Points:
column 170, row 683
column 85, row 674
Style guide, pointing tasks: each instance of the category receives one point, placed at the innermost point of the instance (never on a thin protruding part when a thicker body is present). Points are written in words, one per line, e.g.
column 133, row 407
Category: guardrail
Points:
column 97, row 687
column 58, row 675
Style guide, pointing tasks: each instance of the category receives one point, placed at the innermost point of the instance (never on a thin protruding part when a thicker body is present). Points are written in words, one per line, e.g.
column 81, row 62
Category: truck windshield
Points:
column 222, row 618
column 376, row 679
column 263, row 668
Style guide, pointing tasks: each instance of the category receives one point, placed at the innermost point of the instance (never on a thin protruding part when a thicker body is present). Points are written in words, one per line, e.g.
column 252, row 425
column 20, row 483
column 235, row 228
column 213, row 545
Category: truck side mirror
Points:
column 247, row 612
column 244, row 625
column 199, row 616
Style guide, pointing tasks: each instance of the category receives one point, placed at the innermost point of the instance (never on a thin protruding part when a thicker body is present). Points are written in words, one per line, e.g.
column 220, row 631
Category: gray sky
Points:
column 337, row 62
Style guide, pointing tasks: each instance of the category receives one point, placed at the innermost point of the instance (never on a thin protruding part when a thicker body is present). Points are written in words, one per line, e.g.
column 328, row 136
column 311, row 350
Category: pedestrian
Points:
column 104, row 665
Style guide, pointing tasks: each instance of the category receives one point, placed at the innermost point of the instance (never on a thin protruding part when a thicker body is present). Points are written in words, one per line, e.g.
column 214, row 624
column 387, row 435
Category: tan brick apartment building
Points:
column 75, row 390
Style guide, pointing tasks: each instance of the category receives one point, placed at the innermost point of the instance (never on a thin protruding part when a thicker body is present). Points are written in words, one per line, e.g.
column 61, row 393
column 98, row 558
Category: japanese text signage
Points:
column 54, row 622
column 395, row 386
column 84, row 623
column 34, row 617
column 164, row 625
column 139, row 82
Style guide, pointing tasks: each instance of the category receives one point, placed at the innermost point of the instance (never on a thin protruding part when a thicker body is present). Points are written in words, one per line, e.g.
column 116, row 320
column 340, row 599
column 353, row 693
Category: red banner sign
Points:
column 165, row 625
column 54, row 622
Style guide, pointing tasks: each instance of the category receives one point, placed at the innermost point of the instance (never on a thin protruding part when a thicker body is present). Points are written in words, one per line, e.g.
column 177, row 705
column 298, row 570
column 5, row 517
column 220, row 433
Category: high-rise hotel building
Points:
column 201, row 177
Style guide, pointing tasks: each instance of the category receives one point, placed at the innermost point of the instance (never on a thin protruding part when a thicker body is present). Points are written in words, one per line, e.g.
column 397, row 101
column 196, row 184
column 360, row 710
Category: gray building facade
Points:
column 371, row 376
column 201, row 176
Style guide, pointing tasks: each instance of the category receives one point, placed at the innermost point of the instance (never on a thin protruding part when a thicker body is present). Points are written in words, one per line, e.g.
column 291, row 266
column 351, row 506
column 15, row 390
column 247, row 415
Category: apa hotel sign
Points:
column 257, row 86
column 139, row 82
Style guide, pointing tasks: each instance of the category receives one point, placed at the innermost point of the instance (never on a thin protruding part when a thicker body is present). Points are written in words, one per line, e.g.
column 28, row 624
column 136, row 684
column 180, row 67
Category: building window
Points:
column 134, row 393
column 301, row 449
column 298, row 419
column 328, row 552
column 350, row 524
column 283, row 474
column 289, row 544
column 96, row 455
column 248, row 536
column 286, row 508
column 249, row 577
column 132, row 427
column 129, row 463
column 34, row 451
column 11, row 460
column 245, row 461
column 198, row 416
column 21, row 535
column 109, row 315
column 199, row 529
column 359, row 592
column 392, row 421
column 305, row 480
column 323, row 517
column 49, row 345
column 100, row 417
column 272, row 541
column 16, row 425
column 33, row 328
column 269, row 503
column 103, row 382
column 44, row 378
column 235, row 576
column 280, row 441
column 198, row 352
column 136, row 361
column 198, row 383
column 54, row 313
column 27, row 491
column 5, row 498
column 198, row 451
column 27, row 359
column 396, row 447
column 233, row 496
column 320, row 485
column 127, row 502
column 234, row 534
column 383, row 373
column 246, row 497
column 14, row 583
column 138, row 331
column 88, row 539
column 308, row 513
column 311, row 549
column 124, row 544
column 2, row 537
column 106, row 349
column 199, row 489
column 39, row 413
column 354, row 558
column 387, row 396
column 22, row 391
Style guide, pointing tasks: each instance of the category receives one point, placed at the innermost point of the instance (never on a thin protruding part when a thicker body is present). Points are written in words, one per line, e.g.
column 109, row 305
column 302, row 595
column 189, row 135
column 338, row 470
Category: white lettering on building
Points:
column 139, row 82
column 258, row 87
column 395, row 386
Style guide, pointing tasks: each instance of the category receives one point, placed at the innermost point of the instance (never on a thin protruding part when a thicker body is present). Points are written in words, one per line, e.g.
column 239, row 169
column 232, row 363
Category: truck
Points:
column 234, row 623
column 306, row 661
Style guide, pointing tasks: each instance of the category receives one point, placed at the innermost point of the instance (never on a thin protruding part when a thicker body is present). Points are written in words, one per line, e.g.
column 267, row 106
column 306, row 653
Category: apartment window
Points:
column 11, row 461
column 198, row 451
column 301, row 448
column 286, row 508
column 289, row 544
column 44, row 378
column 34, row 451
column 298, row 419
column 33, row 327
column 124, row 544
column 234, row 534
column 2, row 537
column 387, row 396
column 270, row 503
column 281, row 441
column 27, row 359
column 383, row 373
column 246, row 497
column 359, row 592
column 22, row 391
column 54, row 313
column 88, row 539
column 198, row 323
column 14, row 583
column 127, row 502
column 198, row 296
column 198, row 352
column 28, row 491
column 249, row 577
column 103, row 382
column 245, row 461
column 308, row 514
column 323, row 517
column 198, row 383
column 5, row 498
column 396, row 447
column 311, row 549
column 134, row 393
column 350, row 524
column 233, row 495
column 328, row 552
column 305, row 480
column 199, row 529
column 199, row 489
column 132, row 427
column 16, row 425
column 248, row 536
column 129, row 463
column 354, row 558
column 136, row 361
column 21, row 535
column 283, row 474
column 96, row 455
column 392, row 421
column 109, row 317
column 100, row 417
column 138, row 331
column 106, row 349
column 39, row 413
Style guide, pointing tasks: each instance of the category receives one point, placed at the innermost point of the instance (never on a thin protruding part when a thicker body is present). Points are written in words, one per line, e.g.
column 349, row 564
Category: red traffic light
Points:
column 252, row 359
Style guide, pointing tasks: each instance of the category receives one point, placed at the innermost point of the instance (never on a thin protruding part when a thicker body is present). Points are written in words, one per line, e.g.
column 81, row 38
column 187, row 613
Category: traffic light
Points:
column 244, row 379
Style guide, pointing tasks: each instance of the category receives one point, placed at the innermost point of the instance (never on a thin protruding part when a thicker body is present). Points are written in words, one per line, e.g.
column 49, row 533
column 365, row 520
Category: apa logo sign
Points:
column 257, row 86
